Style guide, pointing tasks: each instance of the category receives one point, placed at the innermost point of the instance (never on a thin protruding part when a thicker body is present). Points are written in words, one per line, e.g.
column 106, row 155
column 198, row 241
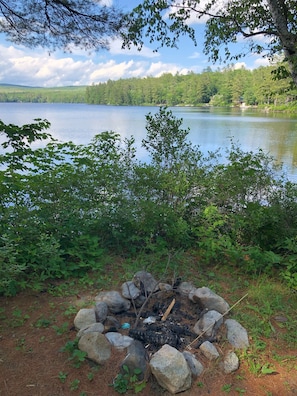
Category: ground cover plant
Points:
column 37, row 331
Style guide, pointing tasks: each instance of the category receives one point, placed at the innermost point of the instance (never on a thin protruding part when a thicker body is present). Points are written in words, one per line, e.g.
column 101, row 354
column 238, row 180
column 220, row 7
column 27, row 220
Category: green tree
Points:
column 88, row 24
column 165, row 21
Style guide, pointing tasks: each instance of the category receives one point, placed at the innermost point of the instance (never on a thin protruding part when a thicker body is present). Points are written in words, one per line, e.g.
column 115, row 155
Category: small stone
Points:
column 130, row 291
column 115, row 302
column 171, row 370
column 101, row 311
column 209, row 323
column 165, row 287
column 236, row 334
column 206, row 298
column 137, row 358
column 195, row 366
column 93, row 328
column 231, row 362
column 118, row 340
column 185, row 288
column 145, row 282
column 84, row 318
column 209, row 350
column 96, row 346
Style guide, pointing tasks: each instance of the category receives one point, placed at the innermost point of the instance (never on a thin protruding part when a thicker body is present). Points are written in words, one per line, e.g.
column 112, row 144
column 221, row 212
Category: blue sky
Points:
column 20, row 65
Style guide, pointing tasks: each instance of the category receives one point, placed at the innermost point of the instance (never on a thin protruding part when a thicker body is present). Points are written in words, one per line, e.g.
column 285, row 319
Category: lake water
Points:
column 209, row 128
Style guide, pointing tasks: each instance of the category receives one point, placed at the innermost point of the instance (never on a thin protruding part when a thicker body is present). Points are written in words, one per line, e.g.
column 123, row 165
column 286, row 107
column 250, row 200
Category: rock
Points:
column 139, row 301
column 206, row 298
column 230, row 363
column 130, row 291
column 84, row 318
column 236, row 334
column 209, row 323
column 209, row 350
column 96, row 346
column 171, row 370
column 118, row 340
column 101, row 311
column 93, row 328
column 111, row 324
column 195, row 366
column 137, row 358
column 145, row 282
column 185, row 288
column 115, row 302
column 165, row 286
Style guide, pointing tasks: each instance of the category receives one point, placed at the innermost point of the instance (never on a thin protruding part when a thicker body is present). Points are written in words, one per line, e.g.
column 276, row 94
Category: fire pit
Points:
column 167, row 325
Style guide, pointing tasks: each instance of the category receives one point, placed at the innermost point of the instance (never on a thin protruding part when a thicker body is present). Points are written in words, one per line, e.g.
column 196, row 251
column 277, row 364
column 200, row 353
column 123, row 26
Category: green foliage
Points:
column 127, row 380
column 226, row 23
column 227, row 87
column 65, row 207
column 77, row 357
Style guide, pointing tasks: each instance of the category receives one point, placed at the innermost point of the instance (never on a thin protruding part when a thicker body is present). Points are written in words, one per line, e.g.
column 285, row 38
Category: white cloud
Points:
column 195, row 55
column 23, row 67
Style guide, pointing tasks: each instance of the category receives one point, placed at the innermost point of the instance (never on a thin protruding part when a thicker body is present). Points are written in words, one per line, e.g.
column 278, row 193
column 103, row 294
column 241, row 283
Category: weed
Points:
column 74, row 384
column 61, row 329
column 200, row 384
column 19, row 318
column 62, row 376
column 76, row 355
column 42, row 322
column 128, row 381
column 226, row 388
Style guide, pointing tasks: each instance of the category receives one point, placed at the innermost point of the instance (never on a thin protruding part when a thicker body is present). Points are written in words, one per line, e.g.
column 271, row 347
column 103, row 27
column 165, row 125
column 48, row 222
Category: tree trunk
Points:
column 278, row 10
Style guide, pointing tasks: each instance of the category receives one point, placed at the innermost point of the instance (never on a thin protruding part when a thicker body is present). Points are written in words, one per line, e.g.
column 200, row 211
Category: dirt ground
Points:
column 34, row 327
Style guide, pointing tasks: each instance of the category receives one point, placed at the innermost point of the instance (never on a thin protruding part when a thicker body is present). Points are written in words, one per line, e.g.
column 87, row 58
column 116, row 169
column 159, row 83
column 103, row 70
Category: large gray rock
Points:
column 118, row 340
column 130, row 291
column 236, row 334
column 137, row 358
column 171, row 370
column 209, row 323
column 115, row 302
column 195, row 366
column 145, row 282
column 84, row 318
column 96, row 346
column 206, row 298
column 93, row 328
column 209, row 350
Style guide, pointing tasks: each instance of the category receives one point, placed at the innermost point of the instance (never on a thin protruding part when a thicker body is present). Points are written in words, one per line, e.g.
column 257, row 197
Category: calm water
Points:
column 209, row 128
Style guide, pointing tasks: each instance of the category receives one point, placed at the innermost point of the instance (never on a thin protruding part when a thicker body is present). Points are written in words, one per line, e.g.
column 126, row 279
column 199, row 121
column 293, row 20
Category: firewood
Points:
column 168, row 310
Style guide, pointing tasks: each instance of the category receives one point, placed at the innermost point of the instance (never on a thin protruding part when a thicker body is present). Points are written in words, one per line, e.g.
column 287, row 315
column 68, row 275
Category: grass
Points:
column 272, row 342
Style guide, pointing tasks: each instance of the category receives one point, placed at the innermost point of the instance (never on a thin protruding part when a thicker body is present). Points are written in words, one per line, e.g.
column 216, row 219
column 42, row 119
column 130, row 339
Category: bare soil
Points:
column 36, row 326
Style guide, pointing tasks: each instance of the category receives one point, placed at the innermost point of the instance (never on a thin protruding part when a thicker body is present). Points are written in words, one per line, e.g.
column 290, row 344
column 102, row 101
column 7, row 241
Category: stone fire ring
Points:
column 172, row 360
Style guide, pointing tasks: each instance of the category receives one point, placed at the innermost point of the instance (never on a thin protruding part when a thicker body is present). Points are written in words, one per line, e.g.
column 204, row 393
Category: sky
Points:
column 23, row 66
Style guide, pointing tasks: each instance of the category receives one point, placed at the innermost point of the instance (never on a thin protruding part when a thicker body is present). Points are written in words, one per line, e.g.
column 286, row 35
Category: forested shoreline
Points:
column 228, row 88
column 216, row 88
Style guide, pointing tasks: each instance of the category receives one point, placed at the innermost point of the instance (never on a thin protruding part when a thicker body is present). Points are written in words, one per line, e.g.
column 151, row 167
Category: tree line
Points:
column 229, row 87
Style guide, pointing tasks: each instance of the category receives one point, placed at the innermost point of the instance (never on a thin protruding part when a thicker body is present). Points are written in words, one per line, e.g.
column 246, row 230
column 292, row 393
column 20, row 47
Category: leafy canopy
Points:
column 87, row 24
column 227, row 22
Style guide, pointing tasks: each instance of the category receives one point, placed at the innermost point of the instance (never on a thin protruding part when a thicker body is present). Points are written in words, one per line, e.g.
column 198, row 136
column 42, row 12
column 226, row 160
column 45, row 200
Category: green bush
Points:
column 64, row 206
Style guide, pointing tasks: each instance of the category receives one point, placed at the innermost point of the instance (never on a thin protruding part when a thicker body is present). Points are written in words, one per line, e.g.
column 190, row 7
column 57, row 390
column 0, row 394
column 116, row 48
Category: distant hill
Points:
column 21, row 93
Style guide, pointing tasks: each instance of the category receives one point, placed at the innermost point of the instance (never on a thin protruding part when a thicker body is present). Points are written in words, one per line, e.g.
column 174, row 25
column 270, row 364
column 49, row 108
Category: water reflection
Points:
column 211, row 129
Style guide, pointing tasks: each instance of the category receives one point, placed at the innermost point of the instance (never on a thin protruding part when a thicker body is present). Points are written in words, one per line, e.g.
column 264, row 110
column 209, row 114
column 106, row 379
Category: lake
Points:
column 210, row 128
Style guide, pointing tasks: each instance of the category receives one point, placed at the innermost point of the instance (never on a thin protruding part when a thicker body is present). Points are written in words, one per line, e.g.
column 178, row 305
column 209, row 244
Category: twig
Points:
column 168, row 310
column 150, row 295
column 224, row 314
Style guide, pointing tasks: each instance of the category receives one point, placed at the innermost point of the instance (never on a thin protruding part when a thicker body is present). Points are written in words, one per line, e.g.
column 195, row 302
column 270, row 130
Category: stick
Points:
column 200, row 335
column 168, row 310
